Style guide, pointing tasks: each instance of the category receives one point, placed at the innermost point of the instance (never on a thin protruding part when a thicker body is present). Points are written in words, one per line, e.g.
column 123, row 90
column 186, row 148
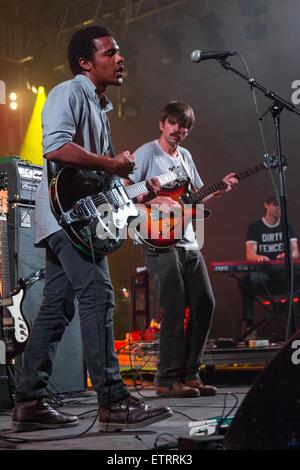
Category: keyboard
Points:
column 247, row 267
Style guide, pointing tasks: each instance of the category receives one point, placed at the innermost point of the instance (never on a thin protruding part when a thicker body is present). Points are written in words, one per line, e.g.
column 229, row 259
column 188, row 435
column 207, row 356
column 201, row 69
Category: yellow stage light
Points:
column 31, row 149
column 87, row 22
column 13, row 96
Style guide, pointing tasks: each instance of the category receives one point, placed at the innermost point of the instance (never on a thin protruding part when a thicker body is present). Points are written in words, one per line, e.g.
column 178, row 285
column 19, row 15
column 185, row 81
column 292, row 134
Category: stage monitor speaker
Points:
column 68, row 370
column 269, row 416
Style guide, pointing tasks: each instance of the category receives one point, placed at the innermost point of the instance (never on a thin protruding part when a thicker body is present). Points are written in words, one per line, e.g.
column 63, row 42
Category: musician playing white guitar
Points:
column 76, row 134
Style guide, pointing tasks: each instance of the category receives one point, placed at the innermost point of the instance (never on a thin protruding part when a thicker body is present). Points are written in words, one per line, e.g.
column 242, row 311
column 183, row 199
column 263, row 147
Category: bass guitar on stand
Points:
column 14, row 327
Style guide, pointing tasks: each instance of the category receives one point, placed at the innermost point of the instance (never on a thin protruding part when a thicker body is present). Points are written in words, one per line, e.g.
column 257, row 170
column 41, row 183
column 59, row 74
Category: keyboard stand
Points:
column 260, row 325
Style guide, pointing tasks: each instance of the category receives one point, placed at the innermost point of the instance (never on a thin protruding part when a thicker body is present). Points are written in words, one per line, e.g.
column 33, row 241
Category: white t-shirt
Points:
column 151, row 160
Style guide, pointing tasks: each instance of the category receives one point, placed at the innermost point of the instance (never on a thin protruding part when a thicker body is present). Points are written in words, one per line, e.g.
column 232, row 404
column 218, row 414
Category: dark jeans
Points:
column 182, row 279
column 65, row 266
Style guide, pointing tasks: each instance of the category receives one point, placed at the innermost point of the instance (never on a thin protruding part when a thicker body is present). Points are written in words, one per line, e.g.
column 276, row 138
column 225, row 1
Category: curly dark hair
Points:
column 182, row 112
column 82, row 45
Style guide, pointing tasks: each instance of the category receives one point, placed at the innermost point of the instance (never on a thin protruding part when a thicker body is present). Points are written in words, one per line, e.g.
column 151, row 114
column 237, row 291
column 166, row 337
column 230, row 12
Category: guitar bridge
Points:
column 83, row 211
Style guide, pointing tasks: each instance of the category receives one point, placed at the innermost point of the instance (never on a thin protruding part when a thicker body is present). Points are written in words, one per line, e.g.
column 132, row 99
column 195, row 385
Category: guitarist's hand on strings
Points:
column 164, row 203
column 154, row 186
column 123, row 164
column 230, row 181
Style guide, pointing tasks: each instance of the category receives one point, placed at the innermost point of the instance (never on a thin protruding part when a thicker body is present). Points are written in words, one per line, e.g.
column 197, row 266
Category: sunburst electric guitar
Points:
column 161, row 230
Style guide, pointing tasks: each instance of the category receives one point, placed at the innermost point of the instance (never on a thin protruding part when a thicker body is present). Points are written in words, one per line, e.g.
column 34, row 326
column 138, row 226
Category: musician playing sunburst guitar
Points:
column 179, row 272
column 265, row 243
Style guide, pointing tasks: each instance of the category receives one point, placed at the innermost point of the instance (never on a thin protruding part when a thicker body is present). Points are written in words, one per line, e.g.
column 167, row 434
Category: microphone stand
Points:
column 277, row 106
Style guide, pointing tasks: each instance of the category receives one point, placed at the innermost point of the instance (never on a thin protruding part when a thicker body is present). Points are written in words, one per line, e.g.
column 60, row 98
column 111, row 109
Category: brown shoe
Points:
column 129, row 413
column 205, row 390
column 178, row 390
column 38, row 414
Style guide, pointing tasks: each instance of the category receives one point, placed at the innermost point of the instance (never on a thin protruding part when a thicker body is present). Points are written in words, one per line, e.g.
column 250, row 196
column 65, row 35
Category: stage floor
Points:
column 85, row 406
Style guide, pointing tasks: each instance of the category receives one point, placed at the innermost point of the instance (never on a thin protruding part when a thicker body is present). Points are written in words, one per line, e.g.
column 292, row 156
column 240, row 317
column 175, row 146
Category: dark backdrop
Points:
column 226, row 136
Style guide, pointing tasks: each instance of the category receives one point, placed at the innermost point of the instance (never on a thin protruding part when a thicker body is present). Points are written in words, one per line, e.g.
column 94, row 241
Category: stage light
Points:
column 88, row 22
column 32, row 88
column 58, row 68
column 31, row 149
column 13, row 101
column 13, row 105
column 25, row 59
column 125, row 293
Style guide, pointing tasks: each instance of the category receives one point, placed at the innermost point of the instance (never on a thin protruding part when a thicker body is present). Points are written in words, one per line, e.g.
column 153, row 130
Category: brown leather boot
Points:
column 39, row 414
column 205, row 390
column 130, row 413
column 178, row 390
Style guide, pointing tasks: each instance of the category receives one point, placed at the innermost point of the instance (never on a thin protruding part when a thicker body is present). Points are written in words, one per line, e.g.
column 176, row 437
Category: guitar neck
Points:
column 197, row 196
column 138, row 189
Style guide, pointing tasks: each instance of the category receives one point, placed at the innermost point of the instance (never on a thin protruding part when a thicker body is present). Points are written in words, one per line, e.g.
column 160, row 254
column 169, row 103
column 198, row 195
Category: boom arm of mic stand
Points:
column 253, row 83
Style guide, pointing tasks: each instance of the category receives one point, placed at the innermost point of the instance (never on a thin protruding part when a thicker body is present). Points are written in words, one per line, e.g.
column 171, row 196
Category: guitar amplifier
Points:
column 68, row 368
column 20, row 179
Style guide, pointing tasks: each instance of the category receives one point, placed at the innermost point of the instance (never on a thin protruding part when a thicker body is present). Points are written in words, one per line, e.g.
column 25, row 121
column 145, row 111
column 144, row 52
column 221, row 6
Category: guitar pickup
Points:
column 83, row 211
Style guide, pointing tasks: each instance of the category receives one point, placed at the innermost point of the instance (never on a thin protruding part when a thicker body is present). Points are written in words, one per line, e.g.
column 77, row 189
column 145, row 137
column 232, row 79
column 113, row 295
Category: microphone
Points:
column 197, row 56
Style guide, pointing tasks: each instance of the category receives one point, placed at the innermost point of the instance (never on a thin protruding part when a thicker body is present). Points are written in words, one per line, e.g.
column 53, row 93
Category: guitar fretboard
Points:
column 197, row 196
column 138, row 189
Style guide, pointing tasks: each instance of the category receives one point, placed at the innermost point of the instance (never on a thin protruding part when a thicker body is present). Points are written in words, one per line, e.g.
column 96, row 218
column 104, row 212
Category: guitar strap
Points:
column 185, row 167
column 111, row 146
column 52, row 170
